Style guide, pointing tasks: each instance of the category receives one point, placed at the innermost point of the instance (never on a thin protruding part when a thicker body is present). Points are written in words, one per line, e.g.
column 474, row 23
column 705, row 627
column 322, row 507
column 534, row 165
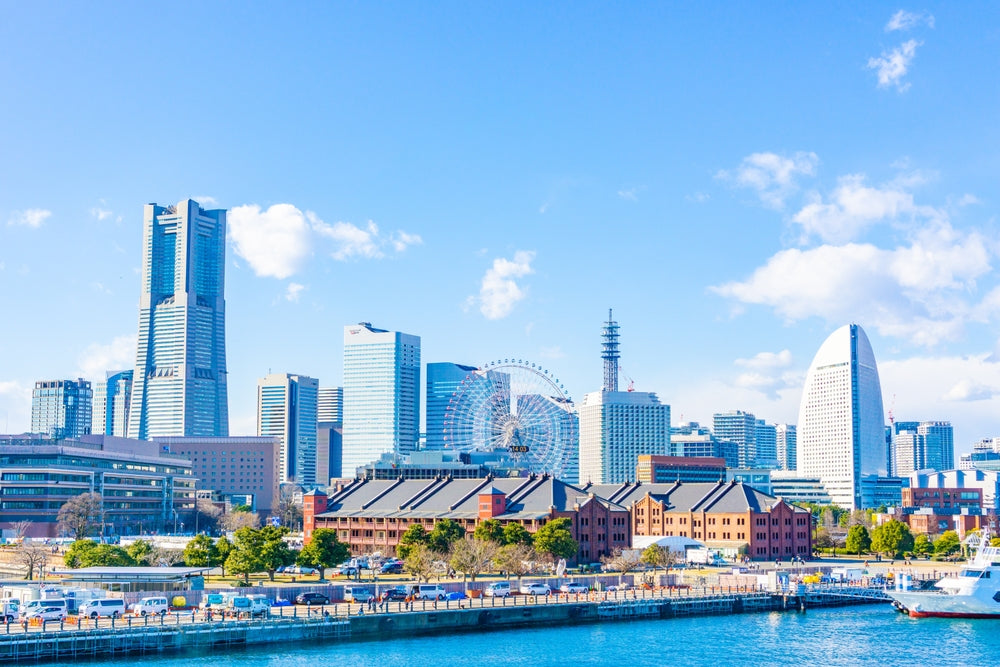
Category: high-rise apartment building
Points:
column 179, row 387
column 841, row 435
column 739, row 427
column 112, row 400
column 785, row 443
column 381, row 394
column 616, row 427
column 922, row 446
column 766, row 440
column 330, row 404
column 62, row 408
column 286, row 408
column 443, row 380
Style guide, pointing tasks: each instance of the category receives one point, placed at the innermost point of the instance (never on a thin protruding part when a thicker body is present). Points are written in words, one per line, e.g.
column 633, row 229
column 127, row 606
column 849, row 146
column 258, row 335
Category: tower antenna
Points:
column 609, row 353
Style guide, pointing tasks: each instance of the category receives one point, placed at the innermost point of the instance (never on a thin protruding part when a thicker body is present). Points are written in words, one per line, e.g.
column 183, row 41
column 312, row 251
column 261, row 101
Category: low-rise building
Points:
column 665, row 469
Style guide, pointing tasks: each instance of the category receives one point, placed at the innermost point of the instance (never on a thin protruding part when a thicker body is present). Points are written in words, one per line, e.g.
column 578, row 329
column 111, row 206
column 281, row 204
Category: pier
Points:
column 195, row 634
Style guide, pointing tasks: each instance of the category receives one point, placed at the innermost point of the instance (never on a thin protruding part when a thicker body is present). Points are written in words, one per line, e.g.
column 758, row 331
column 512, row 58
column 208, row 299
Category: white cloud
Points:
column 117, row 355
column 293, row 291
column 904, row 20
column 352, row 241
column 274, row 242
column 101, row 213
column 767, row 360
column 499, row 291
column 206, row 201
column 32, row 217
column 401, row 240
column 920, row 291
column 773, row 176
column 966, row 390
column 629, row 194
column 853, row 206
column 892, row 66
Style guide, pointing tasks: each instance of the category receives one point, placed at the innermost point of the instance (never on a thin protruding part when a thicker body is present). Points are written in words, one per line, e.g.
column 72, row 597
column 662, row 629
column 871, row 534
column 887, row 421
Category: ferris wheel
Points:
column 517, row 406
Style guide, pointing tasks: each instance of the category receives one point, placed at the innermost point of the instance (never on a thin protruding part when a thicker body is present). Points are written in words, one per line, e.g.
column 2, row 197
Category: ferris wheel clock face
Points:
column 518, row 406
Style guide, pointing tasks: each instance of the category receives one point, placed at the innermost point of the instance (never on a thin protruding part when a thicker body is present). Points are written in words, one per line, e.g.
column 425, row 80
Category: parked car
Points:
column 497, row 589
column 107, row 607
column 456, row 595
column 311, row 598
column 348, row 570
column 394, row 594
column 10, row 609
column 150, row 606
column 428, row 592
column 46, row 610
column 358, row 594
column 535, row 589
column 391, row 568
column 573, row 587
column 618, row 587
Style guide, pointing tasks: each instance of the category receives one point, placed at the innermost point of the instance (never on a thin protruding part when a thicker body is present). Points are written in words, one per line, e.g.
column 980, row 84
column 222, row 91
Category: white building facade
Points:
column 841, row 431
column 615, row 428
column 381, row 394
column 286, row 408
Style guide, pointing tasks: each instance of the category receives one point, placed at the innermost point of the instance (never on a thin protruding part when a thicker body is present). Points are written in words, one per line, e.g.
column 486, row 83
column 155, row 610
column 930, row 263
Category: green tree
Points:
column 657, row 556
column 224, row 547
column 947, row 544
column 274, row 550
column 489, row 529
column 892, row 538
column 515, row 533
column 107, row 555
column 445, row 533
column 922, row 545
column 245, row 556
column 555, row 540
column 858, row 539
column 324, row 550
column 141, row 552
column 419, row 561
column 414, row 535
column 201, row 551
column 78, row 552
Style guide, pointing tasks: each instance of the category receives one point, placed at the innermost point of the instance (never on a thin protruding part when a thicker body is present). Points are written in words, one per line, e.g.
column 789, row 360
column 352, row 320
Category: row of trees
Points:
column 894, row 539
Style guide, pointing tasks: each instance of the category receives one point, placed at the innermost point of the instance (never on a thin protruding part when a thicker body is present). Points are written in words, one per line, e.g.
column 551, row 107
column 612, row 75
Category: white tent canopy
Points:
column 675, row 543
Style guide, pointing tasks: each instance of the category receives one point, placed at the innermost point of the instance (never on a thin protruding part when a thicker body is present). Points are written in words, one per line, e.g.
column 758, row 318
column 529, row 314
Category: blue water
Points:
column 869, row 635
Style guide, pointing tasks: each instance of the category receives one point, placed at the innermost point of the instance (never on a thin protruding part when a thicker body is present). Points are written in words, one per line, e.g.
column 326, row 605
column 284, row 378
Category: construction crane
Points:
column 631, row 382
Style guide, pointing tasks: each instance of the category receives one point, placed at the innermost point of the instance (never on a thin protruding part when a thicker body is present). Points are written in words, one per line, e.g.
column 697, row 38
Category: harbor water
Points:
column 866, row 635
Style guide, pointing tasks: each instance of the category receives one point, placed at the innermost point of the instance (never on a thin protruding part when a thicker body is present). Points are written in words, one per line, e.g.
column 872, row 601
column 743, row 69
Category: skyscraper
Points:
column 841, row 435
column 179, row 386
column 286, row 407
column 615, row 428
column 786, row 441
column 381, row 394
column 330, row 406
column 443, row 379
column 62, row 408
column 112, row 400
column 739, row 427
column 329, row 434
column 766, row 439
column 922, row 446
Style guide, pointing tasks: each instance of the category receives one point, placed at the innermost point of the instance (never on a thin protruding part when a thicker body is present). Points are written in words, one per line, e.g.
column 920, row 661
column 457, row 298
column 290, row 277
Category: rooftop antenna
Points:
column 609, row 353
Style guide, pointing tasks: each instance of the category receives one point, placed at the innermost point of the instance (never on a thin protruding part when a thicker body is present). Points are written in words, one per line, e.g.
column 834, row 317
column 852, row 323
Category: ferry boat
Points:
column 972, row 593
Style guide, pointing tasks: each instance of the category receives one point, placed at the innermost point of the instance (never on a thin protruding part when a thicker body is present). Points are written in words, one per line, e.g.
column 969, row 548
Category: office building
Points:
column 286, row 409
column 62, row 408
column 142, row 487
column 841, row 435
column 766, row 440
column 329, row 452
column 739, row 427
column 616, row 427
column 381, row 394
column 330, row 404
column 785, row 443
column 237, row 469
column 693, row 439
column 985, row 455
column 443, row 380
column 112, row 399
column 788, row 485
column 179, row 388
column 986, row 481
column 686, row 469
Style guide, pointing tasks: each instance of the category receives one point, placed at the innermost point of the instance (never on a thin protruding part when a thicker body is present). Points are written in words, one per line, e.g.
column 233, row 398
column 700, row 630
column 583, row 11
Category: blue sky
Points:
column 735, row 180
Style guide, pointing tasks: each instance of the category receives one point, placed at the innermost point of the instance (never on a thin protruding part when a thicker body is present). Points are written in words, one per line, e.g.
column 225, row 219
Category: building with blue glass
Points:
column 381, row 394
column 179, row 387
column 112, row 400
column 62, row 408
column 286, row 408
column 443, row 380
column 738, row 427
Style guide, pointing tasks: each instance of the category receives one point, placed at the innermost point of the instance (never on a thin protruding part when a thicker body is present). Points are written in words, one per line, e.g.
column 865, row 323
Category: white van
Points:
column 497, row 589
column 102, row 607
column 10, row 609
column 150, row 606
column 260, row 605
column 428, row 592
column 46, row 610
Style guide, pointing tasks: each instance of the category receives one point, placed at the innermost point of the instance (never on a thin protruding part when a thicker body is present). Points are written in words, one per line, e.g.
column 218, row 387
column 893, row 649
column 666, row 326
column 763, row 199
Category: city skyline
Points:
column 735, row 185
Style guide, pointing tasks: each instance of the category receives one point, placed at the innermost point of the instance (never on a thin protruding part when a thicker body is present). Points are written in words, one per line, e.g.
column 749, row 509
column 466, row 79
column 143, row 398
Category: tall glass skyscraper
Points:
column 286, row 407
column 112, row 400
column 616, row 427
column 179, row 387
column 381, row 394
column 62, row 408
column 841, row 428
column 443, row 379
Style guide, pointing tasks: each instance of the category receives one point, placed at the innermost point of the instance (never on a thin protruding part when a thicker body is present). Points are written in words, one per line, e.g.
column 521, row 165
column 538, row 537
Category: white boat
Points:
column 974, row 592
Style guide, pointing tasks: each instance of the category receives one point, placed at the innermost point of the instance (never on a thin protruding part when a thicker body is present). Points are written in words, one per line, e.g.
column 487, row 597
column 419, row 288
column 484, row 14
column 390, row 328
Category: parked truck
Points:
column 705, row 557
